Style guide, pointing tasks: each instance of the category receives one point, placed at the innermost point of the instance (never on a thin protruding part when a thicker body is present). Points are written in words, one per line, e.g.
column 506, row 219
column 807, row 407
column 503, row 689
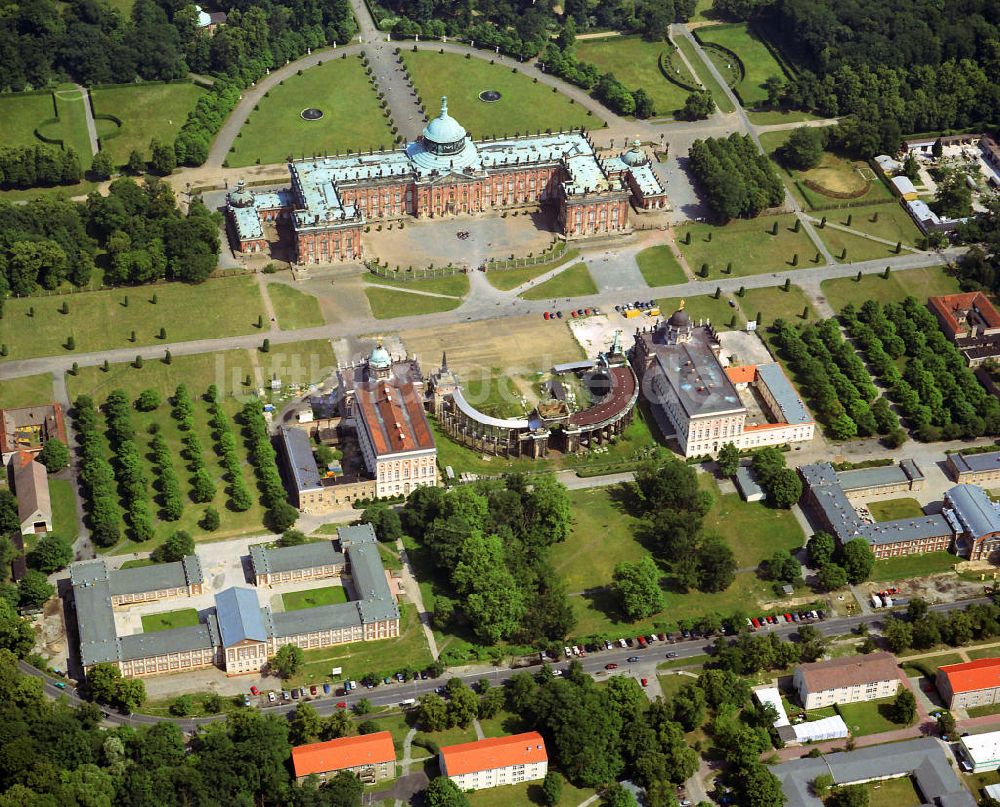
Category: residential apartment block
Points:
column 971, row 683
column 496, row 761
column 847, row 680
column 370, row 757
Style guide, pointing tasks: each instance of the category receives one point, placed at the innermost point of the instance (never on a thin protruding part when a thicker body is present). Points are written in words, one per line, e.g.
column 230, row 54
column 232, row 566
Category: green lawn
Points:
column 507, row 279
column 748, row 245
column 858, row 248
column 503, row 724
column 984, row 711
column 314, row 597
column 72, row 112
column 892, row 509
column 907, row 567
column 659, row 267
column 146, row 111
column 868, row 717
column 27, row 390
column 382, row 657
column 758, row 63
column 293, row 308
column 707, row 79
column 100, row 320
column 456, row 285
column 352, row 118
column 705, row 306
column 523, row 107
column 921, row 283
column 900, row 792
column 494, row 393
column 753, row 530
column 20, row 113
column 137, row 563
column 930, row 662
column 181, row 618
column 635, row 63
column 574, row 281
column 773, row 302
column 298, row 364
column 773, row 117
column 387, row 303
column 63, row 508
column 983, row 652
column 527, row 793
column 888, row 221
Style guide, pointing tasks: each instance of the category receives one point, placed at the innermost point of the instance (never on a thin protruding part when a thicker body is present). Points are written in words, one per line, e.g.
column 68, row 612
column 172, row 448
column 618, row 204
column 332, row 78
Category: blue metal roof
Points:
column 978, row 514
column 239, row 616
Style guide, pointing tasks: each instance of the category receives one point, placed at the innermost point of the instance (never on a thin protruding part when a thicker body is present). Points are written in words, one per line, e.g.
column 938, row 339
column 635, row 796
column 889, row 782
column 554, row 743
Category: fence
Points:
column 555, row 251
column 408, row 274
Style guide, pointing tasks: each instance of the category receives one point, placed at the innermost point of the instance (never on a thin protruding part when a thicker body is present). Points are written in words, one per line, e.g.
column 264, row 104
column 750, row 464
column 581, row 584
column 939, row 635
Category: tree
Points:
column 716, row 564
column 698, row 106
column 305, row 725
column 954, row 197
column 552, row 786
column 16, row 634
column 148, row 400
column 287, row 661
column 210, row 521
column 803, row 149
column 432, row 712
column 637, row 587
column 858, row 560
column 33, row 589
column 344, row 790
column 51, row 553
column 728, row 459
column 292, row 538
column 821, row 548
column 175, row 548
column 385, row 521
column 136, row 165
column 904, row 707
column 898, row 634
column 782, row 567
column 162, row 159
column 181, row 706
column 54, row 455
column 785, row 488
column 645, row 107
column 946, row 725
column 202, row 486
column 442, row 792
column 101, row 168
column 614, row 795
column 831, row 576
column 131, row 694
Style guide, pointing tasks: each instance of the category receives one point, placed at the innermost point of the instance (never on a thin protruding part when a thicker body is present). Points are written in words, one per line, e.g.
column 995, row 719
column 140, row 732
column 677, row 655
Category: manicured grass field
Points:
column 868, row 717
column 352, row 118
column 748, row 244
column 298, row 364
column 314, row 597
column 388, row 303
column 758, row 63
column 891, row 222
column 771, row 117
column 527, row 793
column 503, row 724
column 901, row 792
column 100, row 320
column 706, row 78
column 507, row 279
column 137, row 563
column 858, row 248
column 659, row 267
column 293, row 308
column 773, row 302
column 574, row 281
column 921, row 283
column 357, row 658
column 753, row 530
column 907, row 567
column 523, row 107
column 635, row 63
column 73, row 122
column 25, row 391
column 456, row 285
column 20, row 113
column 146, row 111
column 181, row 618
column 892, row 509
column 930, row 662
column 63, row 508
column 983, row 652
column 705, row 306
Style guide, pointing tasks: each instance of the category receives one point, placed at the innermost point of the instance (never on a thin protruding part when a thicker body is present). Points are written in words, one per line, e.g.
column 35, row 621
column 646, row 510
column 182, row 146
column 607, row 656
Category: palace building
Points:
column 445, row 172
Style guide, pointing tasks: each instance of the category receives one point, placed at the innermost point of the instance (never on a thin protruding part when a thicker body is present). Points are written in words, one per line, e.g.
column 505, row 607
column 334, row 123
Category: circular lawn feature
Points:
column 490, row 96
column 311, row 113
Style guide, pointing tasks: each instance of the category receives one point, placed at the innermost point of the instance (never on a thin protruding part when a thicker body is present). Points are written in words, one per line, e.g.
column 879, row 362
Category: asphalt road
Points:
column 393, row 694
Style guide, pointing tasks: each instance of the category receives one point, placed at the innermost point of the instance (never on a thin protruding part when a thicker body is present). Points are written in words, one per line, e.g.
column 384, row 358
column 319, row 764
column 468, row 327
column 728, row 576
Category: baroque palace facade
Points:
column 444, row 173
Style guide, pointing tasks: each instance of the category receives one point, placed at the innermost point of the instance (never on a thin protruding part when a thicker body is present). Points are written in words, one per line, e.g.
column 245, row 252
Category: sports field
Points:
column 523, row 107
column 314, row 597
column 146, row 111
column 758, row 63
column 100, row 320
column 182, row 618
column 352, row 118
column 635, row 63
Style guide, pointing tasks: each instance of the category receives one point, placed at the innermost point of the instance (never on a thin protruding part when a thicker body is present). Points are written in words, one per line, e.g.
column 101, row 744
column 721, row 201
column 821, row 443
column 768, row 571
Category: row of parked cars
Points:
column 577, row 314
column 756, row 623
column 638, row 642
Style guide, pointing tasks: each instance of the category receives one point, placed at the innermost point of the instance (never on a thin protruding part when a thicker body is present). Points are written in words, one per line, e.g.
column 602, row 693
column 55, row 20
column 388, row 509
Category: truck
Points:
column 876, row 601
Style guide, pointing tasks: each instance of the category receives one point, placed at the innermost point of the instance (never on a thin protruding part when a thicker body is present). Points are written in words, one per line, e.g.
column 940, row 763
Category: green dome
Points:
column 379, row 358
column 444, row 134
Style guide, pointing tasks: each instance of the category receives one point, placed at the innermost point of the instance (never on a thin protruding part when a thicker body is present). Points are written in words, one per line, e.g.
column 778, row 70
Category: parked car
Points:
column 671, row 654
column 559, row 314
column 341, row 705
column 254, row 690
column 246, row 700
column 632, row 659
column 546, row 315
column 423, row 675
column 313, row 690
column 271, row 697
column 295, row 694
column 645, row 682
column 286, row 695
column 326, row 689
column 60, row 684
column 607, row 645
column 569, row 651
column 386, row 680
column 622, row 643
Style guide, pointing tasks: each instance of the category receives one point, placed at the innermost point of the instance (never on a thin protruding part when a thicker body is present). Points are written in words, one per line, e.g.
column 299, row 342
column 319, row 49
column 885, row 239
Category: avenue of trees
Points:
column 97, row 478
column 939, row 396
column 280, row 513
column 920, row 628
column 31, row 166
column 737, row 180
column 488, row 545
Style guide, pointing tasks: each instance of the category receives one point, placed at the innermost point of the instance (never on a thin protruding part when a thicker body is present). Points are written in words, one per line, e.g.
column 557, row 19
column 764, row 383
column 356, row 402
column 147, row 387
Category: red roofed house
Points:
column 497, row 761
column 971, row 322
column 370, row 757
column 971, row 683
column 30, row 428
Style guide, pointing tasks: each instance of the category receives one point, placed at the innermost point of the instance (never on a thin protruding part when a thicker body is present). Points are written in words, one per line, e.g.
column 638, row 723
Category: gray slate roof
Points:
column 696, row 376
column 989, row 461
column 923, row 759
column 299, row 459
column 793, row 410
column 239, row 616
column 161, row 642
column 368, row 573
column 977, row 515
column 94, row 615
column 289, row 558
column 158, row 576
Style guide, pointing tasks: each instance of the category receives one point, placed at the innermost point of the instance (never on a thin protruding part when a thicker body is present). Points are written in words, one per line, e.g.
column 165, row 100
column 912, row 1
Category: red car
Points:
column 641, row 640
column 755, row 622
column 254, row 691
column 341, row 705
column 610, row 666
column 788, row 617
column 645, row 682
column 312, row 690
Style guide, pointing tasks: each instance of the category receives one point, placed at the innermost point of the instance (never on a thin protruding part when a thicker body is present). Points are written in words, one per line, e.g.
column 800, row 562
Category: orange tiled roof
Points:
column 394, row 416
column 744, row 374
column 347, row 752
column 970, row 676
column 947, row 305
column 498, row 752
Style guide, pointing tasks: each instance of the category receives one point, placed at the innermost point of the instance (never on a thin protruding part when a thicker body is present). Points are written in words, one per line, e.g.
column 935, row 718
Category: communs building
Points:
column 236, row 633
column 443, row 173
column 707, row 405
